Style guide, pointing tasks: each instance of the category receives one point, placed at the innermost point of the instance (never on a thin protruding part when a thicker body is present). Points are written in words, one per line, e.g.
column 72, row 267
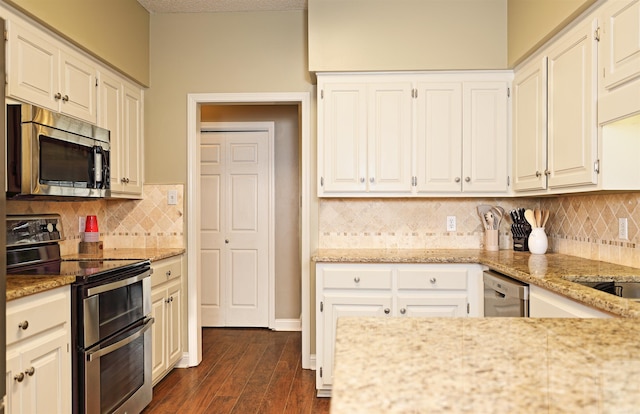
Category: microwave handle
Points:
column 100, row 167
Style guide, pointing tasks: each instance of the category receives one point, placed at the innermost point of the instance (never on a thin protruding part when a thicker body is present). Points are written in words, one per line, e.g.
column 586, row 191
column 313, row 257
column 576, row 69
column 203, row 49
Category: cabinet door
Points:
column 389, row 137
column 132, row 138
column 437, row 305
column 78, row 87
column 47, row 377
column 174, row 322
column 15, row 391
column 439, row 137
column 32, row 67
column 110, row 93
column 342, row 140
column 339, row 305
column 530, row 126
column 484, row 137
column 572, row 139
column 621, row 42
column 158, row 333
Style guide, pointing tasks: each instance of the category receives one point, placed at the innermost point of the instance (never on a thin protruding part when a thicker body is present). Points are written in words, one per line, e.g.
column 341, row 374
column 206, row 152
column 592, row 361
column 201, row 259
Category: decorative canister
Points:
column 538, row 241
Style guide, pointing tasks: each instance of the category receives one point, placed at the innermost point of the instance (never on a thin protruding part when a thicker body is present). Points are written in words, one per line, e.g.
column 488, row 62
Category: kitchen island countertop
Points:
column 486, row 365
column 552, row 271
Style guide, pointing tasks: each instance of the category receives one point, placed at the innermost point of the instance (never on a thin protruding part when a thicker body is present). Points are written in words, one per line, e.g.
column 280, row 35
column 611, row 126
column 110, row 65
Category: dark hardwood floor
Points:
column 242, row 371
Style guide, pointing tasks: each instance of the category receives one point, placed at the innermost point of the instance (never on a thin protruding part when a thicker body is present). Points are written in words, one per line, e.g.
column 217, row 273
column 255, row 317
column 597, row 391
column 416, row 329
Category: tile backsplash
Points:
column 149, row 222
column 579, row 225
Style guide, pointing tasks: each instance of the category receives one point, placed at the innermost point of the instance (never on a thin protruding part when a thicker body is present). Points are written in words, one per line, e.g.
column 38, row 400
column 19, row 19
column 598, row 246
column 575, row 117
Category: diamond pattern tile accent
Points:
column 149, row 222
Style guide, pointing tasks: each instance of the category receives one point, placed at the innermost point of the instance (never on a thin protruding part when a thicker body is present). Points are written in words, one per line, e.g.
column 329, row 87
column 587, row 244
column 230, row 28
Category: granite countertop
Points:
column 24, row 285
column 552, row 271
column 486, row 365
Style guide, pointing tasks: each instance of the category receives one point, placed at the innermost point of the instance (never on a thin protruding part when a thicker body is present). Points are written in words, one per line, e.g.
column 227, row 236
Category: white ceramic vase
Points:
column 538, row 241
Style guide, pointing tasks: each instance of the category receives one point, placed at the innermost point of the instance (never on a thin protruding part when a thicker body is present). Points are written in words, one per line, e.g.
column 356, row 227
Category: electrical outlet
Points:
column 623, row 229
column 451, row 223
column 82, row 223
column 172, row 197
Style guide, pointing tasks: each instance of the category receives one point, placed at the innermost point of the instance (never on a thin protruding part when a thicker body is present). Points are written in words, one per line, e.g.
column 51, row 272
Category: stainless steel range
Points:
column 110, row 316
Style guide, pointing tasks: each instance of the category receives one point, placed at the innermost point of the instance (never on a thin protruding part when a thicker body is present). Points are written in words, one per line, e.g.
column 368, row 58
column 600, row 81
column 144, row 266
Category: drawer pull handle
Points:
column 432, row 280
column 23, row 325
column 19, row 377
column 403, row 311
column 356, row 279
column 168, row 273
column 387, row 311
column 30, row 371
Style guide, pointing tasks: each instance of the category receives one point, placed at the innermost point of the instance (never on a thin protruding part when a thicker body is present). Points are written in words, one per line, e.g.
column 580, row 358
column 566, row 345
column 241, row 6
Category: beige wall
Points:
column 407, row 34
column 533, row 22
column 115, row 31
column 214, row 53
column 287, row 194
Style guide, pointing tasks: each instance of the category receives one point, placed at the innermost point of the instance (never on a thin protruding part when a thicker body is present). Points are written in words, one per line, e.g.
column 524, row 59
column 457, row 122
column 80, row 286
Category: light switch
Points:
column 172, row 197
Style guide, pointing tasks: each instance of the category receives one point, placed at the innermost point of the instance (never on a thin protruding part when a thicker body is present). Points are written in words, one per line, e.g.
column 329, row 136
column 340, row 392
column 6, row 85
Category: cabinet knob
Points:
column 168, row 273
column 23, row 325
column 432, row 280
column 387, row 311
column 362, row 179
column 226, row 241
column 538, row 173
column 30, row 371
column 19, row 377
column 372, row 180
column 356, row 279
column 547, row 173
column 65, row 98
column 57, row 96
column 457, row 179
column 403, row 311
column 467, row 179
column 126, row 180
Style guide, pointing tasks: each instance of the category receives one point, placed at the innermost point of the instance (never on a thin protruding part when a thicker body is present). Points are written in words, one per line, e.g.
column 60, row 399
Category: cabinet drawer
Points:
column 344, row 278
column 165, row 270
column 432, row 279
column 38, row 312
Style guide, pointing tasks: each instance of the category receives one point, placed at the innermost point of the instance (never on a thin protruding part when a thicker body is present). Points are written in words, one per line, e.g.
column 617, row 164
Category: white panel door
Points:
column 484, row 137
column 78, row 88
column 435, row 306
column 572, row 139
column 439, row 137
column 234, row 186
column 621, row 38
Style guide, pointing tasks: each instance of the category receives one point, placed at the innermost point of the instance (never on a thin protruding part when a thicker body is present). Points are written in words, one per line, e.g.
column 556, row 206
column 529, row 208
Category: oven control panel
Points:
column 33, row 229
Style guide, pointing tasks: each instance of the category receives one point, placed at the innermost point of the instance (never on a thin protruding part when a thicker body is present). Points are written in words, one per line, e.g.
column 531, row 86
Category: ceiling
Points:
column 212, row 6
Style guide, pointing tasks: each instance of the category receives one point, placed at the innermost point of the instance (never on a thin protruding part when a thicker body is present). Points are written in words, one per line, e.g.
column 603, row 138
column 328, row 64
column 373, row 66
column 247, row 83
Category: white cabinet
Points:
column 619, row 60
column 366, row 130
column 388, row 290
column 555, row 137
column 166, row 309
column 412, row 134
column 121, row 112
column 546, row 304
column 47, row 73
column 38, row 357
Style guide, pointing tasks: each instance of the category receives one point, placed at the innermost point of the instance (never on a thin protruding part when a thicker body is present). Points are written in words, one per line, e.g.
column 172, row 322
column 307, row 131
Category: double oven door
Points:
column 113, row 373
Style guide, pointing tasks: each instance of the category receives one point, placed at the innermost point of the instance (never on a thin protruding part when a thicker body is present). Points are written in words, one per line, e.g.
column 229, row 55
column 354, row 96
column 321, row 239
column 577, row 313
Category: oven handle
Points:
column 118, row 284
column 113, row 347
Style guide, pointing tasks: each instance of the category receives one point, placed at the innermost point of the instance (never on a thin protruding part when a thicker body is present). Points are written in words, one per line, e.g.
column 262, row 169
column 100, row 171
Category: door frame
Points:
column 269, row 128
column 194, row 100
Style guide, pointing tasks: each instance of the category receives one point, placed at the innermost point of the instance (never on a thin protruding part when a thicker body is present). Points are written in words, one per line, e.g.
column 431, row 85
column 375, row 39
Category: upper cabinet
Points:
column 121, row 112
column 555, row 137
column 45, row 72
column 619, row 94
column 412, row 134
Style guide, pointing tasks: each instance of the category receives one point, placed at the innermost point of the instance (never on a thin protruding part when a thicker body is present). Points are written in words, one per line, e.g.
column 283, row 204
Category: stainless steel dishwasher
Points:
column 504, row 297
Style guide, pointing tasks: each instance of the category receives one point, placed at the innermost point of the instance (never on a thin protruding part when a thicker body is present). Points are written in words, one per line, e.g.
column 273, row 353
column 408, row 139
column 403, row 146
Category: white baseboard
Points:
column 288, row 325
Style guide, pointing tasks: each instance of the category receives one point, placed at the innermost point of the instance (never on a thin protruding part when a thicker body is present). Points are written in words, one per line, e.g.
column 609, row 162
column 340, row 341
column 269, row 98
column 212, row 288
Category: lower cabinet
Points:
column 38, row 356
column 166, row 309
column 546, row 304
column 388, row 290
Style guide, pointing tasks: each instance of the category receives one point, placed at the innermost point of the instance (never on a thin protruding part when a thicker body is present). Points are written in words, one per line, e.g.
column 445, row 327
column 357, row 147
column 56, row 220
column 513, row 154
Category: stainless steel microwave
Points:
column 50, row 154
